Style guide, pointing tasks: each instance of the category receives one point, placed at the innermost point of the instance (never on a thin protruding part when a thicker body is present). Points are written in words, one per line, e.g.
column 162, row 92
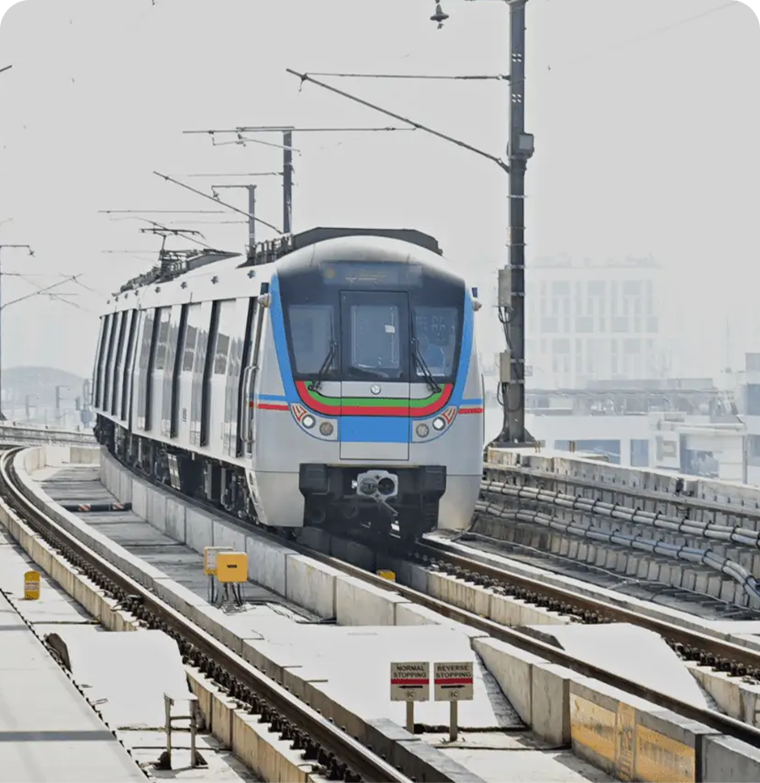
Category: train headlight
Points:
column 438, row 423
column 423, row 430
column 308, row 421
column 326, row 428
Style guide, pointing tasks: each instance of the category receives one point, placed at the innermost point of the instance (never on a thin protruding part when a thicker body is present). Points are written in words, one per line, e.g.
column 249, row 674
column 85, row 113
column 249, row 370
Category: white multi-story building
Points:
column 589, row 320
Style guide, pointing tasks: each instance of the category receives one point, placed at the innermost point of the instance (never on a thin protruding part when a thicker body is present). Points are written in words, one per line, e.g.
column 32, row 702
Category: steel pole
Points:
column 287, row 182
column 251, row 220
column 511, row 299
column 2, row 415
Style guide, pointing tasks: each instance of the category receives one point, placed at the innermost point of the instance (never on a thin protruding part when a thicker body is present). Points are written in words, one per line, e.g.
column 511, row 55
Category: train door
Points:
column 375, row 386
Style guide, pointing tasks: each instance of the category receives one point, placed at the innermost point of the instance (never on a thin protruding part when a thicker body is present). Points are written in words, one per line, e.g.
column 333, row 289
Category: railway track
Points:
column 338, row 755
column 692, row 645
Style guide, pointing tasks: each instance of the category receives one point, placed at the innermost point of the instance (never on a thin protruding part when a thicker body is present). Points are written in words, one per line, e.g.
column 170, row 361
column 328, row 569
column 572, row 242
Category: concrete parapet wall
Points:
column 611, row 480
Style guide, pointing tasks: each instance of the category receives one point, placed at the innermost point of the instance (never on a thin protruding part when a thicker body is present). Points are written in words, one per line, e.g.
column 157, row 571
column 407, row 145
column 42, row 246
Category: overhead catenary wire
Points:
column 442, row 77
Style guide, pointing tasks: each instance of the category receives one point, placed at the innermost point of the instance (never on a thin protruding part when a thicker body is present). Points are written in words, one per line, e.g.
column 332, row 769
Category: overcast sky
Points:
column 645, row 116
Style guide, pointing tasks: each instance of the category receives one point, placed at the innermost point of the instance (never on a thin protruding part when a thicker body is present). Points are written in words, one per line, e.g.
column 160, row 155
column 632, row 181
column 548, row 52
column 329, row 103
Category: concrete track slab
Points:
column 632, row 652
column 355, row 662
column 516, row 758
column 127, row 674
column 81, row 483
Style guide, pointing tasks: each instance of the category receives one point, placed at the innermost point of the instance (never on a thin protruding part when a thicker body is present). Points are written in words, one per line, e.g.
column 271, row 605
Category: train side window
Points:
column 174, row 318
column 119, row 362
column 129, row 364
column 141, row 377
column 226, row 325
column 110, row 362
column 199, row 317
column 154, row 339
column 220, row 357
column 99, row 361
column 163, row 338
column 104, row 359
column 191, row 339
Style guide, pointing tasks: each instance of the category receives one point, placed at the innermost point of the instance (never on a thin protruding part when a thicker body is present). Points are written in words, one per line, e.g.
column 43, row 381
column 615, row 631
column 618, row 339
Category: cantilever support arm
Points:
column 304, row 77
column 217, row 201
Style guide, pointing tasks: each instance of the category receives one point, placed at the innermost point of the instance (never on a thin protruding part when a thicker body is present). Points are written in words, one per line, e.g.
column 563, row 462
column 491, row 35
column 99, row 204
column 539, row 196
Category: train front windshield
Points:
column 363, row 321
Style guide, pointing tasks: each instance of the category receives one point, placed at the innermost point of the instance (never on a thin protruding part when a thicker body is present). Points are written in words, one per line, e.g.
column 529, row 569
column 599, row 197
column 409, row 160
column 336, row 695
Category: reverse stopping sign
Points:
column 410, row 681
column 453, row 681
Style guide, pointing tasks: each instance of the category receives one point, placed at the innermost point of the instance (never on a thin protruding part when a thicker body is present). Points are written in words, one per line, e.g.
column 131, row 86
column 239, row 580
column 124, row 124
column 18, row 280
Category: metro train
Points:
column 331, row 379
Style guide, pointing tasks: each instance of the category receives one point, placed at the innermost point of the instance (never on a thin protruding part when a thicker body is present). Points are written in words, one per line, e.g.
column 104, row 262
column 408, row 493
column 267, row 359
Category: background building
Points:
column 595, row 320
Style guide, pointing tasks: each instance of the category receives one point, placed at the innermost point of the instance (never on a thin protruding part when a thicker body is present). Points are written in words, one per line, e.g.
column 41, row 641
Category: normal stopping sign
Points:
column 410, row 681
column 453, row 681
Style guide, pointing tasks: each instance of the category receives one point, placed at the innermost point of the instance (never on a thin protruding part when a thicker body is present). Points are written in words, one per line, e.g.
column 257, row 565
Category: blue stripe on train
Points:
column 374, row 429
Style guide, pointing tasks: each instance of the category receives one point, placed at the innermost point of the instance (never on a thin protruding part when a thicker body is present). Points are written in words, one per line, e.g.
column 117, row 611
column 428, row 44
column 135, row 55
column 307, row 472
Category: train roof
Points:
column 173, row 265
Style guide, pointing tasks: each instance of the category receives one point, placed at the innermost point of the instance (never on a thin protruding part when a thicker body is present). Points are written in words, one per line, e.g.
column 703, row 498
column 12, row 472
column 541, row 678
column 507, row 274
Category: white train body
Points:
column 337, row 382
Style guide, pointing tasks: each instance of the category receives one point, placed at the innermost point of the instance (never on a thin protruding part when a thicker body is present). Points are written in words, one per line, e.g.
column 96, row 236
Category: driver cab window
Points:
column 311, row 328
column 375, row 338
column 437, row 330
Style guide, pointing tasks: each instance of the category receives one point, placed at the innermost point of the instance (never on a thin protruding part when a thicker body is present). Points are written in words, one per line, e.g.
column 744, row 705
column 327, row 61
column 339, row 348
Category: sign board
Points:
column 410, row 681
column 31, row 585
column 453, row 681
column 209, row 558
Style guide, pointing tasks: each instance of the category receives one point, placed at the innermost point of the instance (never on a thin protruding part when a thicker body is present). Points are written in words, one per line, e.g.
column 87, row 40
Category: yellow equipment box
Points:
column 232, row 567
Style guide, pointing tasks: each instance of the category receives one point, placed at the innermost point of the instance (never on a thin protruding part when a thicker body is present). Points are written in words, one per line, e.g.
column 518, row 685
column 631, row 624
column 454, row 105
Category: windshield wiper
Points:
column 426, row 374
column 325, row 368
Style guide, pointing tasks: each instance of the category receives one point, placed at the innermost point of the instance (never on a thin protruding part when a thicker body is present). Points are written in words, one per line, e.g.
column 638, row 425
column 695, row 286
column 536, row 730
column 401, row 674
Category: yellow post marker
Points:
column 389, row 575
column 31, row 585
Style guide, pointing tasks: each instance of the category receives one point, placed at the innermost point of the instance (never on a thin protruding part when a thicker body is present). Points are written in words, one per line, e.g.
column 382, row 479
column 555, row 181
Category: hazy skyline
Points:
column 645, row 117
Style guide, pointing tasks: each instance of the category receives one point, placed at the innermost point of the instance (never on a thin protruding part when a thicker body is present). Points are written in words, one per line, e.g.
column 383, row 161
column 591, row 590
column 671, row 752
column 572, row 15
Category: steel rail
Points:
column 715, row 720
column 678, row 635
column 332, row 749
